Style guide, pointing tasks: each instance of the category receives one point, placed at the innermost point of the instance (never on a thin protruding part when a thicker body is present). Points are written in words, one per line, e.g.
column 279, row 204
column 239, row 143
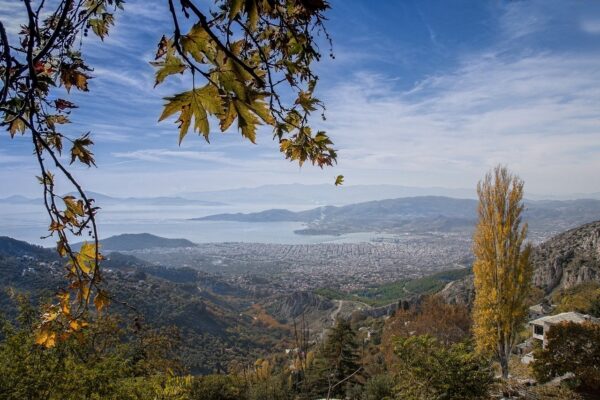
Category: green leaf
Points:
column 171, row 65
column 195, row 104
column 247, row 121
column 339, row 180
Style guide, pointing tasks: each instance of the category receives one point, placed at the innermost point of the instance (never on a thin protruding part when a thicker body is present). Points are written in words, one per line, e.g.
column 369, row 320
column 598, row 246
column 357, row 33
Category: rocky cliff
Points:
column 564, row 261
column 568, row 259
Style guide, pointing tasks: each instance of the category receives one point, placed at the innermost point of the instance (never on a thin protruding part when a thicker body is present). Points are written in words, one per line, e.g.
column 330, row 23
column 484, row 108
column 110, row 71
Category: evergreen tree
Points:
column 337, row 365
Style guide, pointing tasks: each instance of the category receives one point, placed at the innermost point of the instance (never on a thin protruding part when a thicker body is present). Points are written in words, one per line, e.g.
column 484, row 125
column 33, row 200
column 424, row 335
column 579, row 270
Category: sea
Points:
column 29, row 222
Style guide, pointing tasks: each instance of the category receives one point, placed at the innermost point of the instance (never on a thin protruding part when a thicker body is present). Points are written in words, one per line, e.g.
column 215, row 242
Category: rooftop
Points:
column 570, row 316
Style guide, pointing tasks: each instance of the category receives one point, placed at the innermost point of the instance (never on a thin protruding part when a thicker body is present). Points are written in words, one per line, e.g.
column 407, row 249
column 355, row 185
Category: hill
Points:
column 213, row 317
column 17, row 248
column 568, row 259
column 140, row 241
column 562, row 262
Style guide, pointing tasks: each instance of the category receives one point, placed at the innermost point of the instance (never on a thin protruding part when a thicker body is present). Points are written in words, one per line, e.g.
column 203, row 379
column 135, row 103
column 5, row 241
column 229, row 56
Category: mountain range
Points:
column 420, row 214
column 103, row 200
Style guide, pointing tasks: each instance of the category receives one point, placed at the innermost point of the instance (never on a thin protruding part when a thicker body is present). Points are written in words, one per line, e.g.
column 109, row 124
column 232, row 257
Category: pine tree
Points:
column 337, row 364
column 502, row 266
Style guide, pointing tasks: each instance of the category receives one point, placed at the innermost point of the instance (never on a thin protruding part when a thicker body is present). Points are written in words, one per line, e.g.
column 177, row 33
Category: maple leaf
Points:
column 195, row 104
column 101, row 300
column 70, row 76
column 80, row 151
column 170, row 65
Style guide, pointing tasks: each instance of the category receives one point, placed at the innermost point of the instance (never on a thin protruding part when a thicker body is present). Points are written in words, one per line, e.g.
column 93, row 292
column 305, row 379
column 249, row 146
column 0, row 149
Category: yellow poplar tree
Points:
column 502, row 266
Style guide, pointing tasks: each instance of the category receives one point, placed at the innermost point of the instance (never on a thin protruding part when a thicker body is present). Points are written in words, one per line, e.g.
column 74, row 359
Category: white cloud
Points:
column 538, row 114
column 591, row 26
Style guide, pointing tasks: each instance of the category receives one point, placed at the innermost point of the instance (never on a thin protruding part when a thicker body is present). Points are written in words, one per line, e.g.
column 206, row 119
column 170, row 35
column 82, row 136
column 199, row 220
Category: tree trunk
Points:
column 504, row 364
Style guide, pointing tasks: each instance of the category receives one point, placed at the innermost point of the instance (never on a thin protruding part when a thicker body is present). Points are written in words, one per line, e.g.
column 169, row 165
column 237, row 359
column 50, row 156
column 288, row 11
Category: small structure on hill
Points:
column 541, row 326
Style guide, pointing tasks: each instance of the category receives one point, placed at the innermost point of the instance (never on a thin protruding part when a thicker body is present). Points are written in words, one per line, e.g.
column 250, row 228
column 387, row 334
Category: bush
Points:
column 217, row 387
column 380, row 387
column 428, row 369
column 573, row 348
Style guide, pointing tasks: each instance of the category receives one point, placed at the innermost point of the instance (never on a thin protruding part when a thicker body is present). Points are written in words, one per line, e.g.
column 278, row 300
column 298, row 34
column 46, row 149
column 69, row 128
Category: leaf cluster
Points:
column 44, row 57
column 252, row 55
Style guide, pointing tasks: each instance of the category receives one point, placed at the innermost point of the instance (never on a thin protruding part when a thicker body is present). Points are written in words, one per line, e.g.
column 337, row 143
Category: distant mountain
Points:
column 289, row 195
column 420, row 214
column 102, row 199
column 19, row 200
column 292, row 195
column 139, row 241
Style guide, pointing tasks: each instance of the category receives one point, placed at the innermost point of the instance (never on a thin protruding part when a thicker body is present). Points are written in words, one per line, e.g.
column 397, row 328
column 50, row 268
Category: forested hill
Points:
column 421, row 214
column 10, row 247
column 212, row 317
column 138, row 241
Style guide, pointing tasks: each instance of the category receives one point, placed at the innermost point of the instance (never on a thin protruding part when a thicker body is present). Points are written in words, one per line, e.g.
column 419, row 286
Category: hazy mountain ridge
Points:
column 420, row 214
column 102, row 199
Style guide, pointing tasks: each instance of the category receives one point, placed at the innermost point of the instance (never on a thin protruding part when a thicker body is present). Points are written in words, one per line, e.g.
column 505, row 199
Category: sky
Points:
column 420, row 93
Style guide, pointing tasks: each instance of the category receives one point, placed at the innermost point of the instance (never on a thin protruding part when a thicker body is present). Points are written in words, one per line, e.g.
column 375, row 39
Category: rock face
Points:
column 568, row 259
column 564, row 261
column 461, row 291
column 291, row 306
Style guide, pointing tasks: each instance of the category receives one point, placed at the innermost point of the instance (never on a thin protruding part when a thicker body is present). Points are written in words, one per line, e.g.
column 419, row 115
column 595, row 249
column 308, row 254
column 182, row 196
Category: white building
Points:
column 541, row 326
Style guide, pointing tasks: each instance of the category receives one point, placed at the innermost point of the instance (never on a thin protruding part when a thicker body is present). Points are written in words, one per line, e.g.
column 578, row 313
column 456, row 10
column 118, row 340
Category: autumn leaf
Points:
column 80, row 150
column 65, row 302
column 195, row 104
column 101, row 25
column 70, row 75
column 101, row 300
column 74, row 206
column 62, row 104
column 247, row 121
column 45, row 337
column 16, row 125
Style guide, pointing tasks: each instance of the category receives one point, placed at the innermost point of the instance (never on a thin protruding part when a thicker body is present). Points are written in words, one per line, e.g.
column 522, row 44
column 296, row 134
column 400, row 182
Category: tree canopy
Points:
column 248, row 62
column 502, row 268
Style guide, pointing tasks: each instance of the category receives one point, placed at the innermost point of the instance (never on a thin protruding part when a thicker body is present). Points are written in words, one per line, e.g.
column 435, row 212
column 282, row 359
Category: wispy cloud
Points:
column 537, row 113
column 591, row 26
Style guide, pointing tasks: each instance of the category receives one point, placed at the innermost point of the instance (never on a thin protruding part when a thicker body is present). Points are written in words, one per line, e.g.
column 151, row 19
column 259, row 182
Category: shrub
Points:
column 571, row 348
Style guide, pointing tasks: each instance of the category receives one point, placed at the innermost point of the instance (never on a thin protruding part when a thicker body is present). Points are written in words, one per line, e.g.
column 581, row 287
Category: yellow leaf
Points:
column 45, row 337
column 65, row 302
column 247, row 121
column 101, row 300
column 17, row 125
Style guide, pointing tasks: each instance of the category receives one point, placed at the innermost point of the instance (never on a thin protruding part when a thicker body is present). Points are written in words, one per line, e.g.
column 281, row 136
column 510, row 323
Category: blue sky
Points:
column 420, row 93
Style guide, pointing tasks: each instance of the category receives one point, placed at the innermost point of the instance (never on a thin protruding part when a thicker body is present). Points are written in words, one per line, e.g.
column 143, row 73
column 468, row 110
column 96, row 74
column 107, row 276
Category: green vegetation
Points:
column 572, row 348
column 583, row 298
column 428, row 369
column 403, row 289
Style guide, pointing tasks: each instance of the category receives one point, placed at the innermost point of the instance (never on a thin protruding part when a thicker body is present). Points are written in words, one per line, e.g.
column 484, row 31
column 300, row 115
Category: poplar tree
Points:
column 502, row 266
